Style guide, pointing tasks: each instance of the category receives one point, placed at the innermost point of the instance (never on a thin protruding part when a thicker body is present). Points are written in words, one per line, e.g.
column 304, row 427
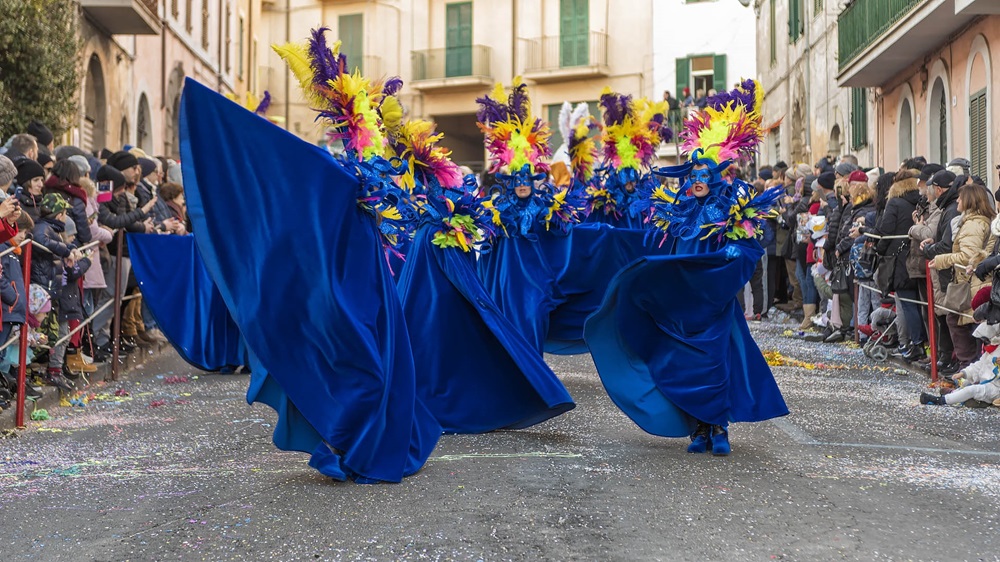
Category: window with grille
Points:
column 204, row 24
column 188, row 11
column 229, row 40
column 350, row 29
column 978, row 131
column 859, row 118
column 796, row 25
column 239, row 50
column 817, row 7
column 175, row 8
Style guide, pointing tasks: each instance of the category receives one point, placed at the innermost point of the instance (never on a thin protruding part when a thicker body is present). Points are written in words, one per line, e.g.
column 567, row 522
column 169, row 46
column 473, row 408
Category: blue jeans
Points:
column 809, row 293
column 911, row 315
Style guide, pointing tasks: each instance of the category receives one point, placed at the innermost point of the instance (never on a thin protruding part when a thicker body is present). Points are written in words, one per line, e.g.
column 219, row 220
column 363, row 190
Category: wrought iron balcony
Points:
column 563, row 57
column 863, row 22
column 124, row 17
column 452, row 67
column 880, row 38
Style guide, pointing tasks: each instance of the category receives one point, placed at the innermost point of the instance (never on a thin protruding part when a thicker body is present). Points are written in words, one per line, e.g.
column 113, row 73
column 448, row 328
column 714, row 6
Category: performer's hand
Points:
column 732, row 252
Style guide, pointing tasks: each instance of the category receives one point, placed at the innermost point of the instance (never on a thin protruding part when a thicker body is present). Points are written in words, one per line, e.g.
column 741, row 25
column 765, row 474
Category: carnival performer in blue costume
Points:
column 475, row 371
column 517, row 273
column 633, row 130
column 313, row 278
column 670, row 343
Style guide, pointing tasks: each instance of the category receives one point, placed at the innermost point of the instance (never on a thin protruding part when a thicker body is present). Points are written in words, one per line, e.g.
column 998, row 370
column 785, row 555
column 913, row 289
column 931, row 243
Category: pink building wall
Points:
column 966, row 65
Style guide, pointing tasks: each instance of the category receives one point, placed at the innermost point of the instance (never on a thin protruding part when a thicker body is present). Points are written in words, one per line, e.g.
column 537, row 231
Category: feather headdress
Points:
column 633, row 130
column 514, row 137
column 576, row 125
column 729, row 128
column 427, row 162
column 252, row 103
column 362, row 112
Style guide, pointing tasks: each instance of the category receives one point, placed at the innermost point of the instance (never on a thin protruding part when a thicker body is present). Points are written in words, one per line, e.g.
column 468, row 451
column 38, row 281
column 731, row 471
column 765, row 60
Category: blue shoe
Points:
column 699, row 439
column 720, row 441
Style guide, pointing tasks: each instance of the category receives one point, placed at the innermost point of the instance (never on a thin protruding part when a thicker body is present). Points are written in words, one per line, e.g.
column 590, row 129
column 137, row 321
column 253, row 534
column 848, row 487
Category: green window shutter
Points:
column 859, row 118
column 978, row 132
column 794, row 20
column 556, row 140
column 350, row 31
column 458, row 39
column 683, row 76
column 772, row 32
column 719, row 80
column 574, row 33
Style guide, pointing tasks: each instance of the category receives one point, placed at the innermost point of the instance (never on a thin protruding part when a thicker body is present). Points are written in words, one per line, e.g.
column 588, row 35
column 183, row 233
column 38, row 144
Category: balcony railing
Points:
column 546, row 54
column 124, row 17
column 452, row 62
column 862, row 23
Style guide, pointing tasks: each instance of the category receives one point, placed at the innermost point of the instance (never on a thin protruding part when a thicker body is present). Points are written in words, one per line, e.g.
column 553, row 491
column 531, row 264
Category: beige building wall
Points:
column 132, row 83
column 397, row 33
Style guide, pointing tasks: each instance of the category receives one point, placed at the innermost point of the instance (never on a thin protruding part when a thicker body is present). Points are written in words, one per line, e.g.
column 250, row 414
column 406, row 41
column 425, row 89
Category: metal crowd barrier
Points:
column 27, row 244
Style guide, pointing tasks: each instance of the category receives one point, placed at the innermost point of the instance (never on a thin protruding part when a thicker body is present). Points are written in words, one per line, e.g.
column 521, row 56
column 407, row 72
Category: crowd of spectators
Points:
column 852, row 248
column 69, row 203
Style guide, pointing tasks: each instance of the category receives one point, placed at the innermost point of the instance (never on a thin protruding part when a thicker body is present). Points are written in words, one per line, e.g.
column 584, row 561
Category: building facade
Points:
column 797, row 46
column 450, row 53
column 929, row 65
column 685, row 55
column 137, row 54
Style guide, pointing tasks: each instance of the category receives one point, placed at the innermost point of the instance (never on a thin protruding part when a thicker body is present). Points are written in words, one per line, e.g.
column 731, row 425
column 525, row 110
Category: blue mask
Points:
column 701, row 176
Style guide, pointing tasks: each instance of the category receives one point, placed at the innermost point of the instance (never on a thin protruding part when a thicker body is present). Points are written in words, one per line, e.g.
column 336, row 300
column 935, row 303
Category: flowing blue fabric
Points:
column 310, row 289
column 584, row 262
column 475, row 371
column 522, row 282
column 185, row 302
column 672, row 347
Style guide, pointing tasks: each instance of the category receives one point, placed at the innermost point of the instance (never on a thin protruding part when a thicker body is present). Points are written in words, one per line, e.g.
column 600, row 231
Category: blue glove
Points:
column 732, row 252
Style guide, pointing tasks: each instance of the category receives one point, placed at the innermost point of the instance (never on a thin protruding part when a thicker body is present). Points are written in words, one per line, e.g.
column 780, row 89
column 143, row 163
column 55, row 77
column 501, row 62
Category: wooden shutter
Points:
column 978, row 131
column 458, row 39
column 683, row 67
column 719, row 80
column 350, row 31
column 859, row 118
column 574, row 33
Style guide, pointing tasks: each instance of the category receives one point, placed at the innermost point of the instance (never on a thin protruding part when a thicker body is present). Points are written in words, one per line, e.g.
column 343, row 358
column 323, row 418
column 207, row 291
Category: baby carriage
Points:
column 879, row 340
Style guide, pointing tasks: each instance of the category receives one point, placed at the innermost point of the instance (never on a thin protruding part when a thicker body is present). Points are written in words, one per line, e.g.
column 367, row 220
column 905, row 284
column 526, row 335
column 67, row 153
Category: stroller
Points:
column 882, row 333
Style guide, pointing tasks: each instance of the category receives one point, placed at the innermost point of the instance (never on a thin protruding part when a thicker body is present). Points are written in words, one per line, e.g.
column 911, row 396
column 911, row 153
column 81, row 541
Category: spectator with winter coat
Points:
column 896, row 221
column 971, row 246
column 31, row 181
column 65, row 180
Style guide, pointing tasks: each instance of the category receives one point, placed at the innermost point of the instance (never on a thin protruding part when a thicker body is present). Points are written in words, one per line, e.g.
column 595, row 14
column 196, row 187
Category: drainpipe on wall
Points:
column 164, row 25
column 513, row 38
column 808, row 109
column 288, row 39
column 219, row 62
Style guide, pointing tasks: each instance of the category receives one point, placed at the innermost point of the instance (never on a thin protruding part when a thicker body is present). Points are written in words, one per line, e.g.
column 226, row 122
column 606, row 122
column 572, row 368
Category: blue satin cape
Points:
column 185, row 302
column 475, row 371
column 672, row 347
column 303, row 274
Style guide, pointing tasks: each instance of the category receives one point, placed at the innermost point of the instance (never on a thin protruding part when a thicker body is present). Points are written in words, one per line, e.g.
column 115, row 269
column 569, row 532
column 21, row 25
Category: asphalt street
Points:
column 183, row 469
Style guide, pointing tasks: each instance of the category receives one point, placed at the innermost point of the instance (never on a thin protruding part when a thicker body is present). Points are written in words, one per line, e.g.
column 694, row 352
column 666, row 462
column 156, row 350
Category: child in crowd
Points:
column 979, row 381
column 883, row 321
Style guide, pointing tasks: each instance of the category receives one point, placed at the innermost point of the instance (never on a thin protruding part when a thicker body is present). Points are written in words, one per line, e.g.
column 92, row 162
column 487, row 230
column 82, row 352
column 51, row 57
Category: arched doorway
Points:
column 834, row 146
column 171, row 133
column 905, row 130
column 123, row 134
column 94, row 130
column 798, row 133
column 938, row 123
column 143, row 129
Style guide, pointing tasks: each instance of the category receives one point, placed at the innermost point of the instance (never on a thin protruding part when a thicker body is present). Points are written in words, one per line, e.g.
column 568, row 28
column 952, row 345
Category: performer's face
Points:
column 699, row 180
column 630, row 186
column 522, row 191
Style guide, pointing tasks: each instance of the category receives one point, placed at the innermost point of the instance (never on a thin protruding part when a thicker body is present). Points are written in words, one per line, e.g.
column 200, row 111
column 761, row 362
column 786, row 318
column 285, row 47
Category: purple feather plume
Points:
column 392, row 86
column 321, row 57
column 490, row 110
column 666, row 134
column 518, row 101
column 743, row 95
column 616, row 108
column 264, row 105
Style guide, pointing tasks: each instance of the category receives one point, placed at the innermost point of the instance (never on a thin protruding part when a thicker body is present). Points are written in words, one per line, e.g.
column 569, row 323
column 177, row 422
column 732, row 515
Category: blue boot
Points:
column 699, row 439
column 720, row 441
